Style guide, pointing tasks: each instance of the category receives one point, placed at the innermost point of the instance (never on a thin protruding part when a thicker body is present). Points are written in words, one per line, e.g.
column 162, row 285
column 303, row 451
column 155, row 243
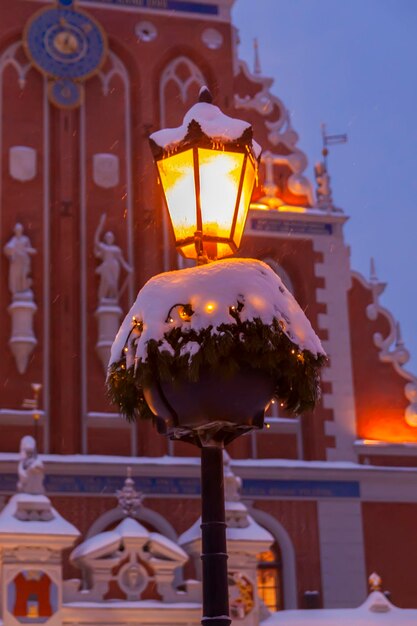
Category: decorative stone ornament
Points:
column 33, row 536
column 22, row 163
column 108, row 312
column 212, row 38
column 146, row 31
column 22, row 308
column 106, row 170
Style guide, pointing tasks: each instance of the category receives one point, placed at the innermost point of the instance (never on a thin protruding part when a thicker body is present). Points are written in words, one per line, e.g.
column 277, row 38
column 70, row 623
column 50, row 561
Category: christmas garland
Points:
column 225, row 350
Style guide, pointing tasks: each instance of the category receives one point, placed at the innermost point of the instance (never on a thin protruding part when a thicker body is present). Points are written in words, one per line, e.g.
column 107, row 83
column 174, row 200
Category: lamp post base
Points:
column 213, row 536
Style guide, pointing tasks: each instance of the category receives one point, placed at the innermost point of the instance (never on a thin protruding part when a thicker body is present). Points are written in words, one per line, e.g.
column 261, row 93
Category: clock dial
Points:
column 65, row 93
column 65, row 43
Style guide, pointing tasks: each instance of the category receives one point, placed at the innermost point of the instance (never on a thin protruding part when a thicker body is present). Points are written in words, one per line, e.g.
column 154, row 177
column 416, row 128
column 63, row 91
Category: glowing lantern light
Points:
column 207, row 168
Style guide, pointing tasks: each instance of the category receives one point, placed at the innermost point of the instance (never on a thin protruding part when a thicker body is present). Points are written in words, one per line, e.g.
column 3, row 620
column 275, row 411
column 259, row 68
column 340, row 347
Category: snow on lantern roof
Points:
column 204, row 120
column 211, row 290
column 377, row 610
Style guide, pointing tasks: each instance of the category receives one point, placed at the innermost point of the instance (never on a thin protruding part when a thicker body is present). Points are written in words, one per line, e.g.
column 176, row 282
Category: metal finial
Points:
column 399, row 343
column 375, row 582
column 129, row 499
column 257, row 62
column 372, row 274
column 204, row 95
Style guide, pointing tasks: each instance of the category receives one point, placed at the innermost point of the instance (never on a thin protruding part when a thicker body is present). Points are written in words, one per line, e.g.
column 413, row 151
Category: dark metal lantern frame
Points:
column 195, row 139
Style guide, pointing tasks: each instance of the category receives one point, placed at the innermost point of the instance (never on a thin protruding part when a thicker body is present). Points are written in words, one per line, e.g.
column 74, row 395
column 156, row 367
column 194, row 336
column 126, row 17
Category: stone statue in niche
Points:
column 22, row 340
column 112, row 261
column 19, row 250
column 31, row 469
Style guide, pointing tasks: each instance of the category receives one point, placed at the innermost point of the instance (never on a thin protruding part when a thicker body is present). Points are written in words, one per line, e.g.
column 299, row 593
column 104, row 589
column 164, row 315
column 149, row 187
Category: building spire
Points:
column 129, row 499
column 399, row 343
column 257, row 63
column 372, row 273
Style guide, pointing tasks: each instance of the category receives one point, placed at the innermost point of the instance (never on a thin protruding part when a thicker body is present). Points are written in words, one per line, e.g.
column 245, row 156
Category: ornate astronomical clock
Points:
column 68, row 46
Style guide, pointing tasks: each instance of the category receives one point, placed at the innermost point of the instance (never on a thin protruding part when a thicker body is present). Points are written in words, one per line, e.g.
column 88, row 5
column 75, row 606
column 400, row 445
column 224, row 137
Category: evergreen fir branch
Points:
column 225, row 350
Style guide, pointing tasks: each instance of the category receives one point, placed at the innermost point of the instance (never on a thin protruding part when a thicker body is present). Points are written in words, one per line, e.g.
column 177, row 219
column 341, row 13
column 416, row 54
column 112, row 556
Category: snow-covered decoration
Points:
column 129, row 499
column 278, row 138
column 31, row 469
column 377, row 610
column 224, row 317
column 213, row 292
column 204, row 121
column 375, row 582
column 131, row 557
column 391, row 348
column 245, row 540
column 33, row 536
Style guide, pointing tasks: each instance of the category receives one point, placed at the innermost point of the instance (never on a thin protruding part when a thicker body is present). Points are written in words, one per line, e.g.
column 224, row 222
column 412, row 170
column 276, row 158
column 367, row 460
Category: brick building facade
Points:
column 336, row 488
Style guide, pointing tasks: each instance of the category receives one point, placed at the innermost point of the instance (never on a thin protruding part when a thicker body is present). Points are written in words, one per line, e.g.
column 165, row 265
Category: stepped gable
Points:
column 283, row 181
column 386, row 403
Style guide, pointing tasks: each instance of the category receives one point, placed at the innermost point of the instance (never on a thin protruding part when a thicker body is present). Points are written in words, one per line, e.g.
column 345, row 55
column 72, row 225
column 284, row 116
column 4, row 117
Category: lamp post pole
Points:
column 213, row 537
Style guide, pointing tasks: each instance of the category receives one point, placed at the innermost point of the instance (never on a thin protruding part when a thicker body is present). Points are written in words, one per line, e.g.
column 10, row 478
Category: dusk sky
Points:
column 351, row 64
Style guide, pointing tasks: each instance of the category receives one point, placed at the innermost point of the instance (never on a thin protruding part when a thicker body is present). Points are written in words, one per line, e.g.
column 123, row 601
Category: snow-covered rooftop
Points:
column 11, row 525
column 375, row 611
column 129, row 528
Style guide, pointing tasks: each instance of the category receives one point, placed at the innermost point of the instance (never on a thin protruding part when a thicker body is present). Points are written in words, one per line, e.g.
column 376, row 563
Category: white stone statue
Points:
column 112, row 260
column 31, row 469
column 324, row 192
column 19, row 250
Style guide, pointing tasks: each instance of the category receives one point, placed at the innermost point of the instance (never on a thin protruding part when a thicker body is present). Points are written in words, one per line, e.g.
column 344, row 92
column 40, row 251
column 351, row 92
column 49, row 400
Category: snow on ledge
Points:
column 377, row 610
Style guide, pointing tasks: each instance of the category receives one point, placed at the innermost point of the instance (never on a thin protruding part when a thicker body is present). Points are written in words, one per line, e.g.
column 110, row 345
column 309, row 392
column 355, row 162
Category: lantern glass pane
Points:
column 223, row 249
column 220, row 174
column 188, row 251
column 177, row 178
column 244, row 202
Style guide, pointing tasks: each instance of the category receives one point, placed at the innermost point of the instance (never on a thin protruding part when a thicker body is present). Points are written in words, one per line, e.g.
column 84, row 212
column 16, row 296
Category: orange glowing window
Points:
column 269, row 578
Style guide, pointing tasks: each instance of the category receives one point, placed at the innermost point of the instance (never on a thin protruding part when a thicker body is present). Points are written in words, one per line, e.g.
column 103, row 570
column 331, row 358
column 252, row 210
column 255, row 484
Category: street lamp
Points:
column 204, row 350
column 207, row 168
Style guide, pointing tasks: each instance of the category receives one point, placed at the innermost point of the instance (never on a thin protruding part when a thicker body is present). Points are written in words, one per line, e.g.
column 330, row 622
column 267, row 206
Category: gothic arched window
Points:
column 180, row 83
column 269, row 578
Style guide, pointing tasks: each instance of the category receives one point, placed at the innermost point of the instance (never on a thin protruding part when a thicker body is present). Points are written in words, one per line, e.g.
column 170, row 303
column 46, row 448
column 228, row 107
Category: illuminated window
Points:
column 269, row 578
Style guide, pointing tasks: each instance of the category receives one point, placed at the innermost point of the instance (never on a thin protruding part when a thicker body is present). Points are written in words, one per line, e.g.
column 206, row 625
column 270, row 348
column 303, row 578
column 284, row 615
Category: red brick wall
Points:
column 379, row 391
column 391, row 548
column 297, row 258
column 300, row 521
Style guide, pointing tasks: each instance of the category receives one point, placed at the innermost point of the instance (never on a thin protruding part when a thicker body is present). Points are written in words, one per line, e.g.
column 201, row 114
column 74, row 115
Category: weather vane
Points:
column 330, row 140
column 324, row 191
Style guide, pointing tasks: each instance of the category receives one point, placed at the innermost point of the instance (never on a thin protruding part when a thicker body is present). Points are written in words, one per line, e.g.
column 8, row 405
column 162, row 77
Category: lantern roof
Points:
column 205, row 123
